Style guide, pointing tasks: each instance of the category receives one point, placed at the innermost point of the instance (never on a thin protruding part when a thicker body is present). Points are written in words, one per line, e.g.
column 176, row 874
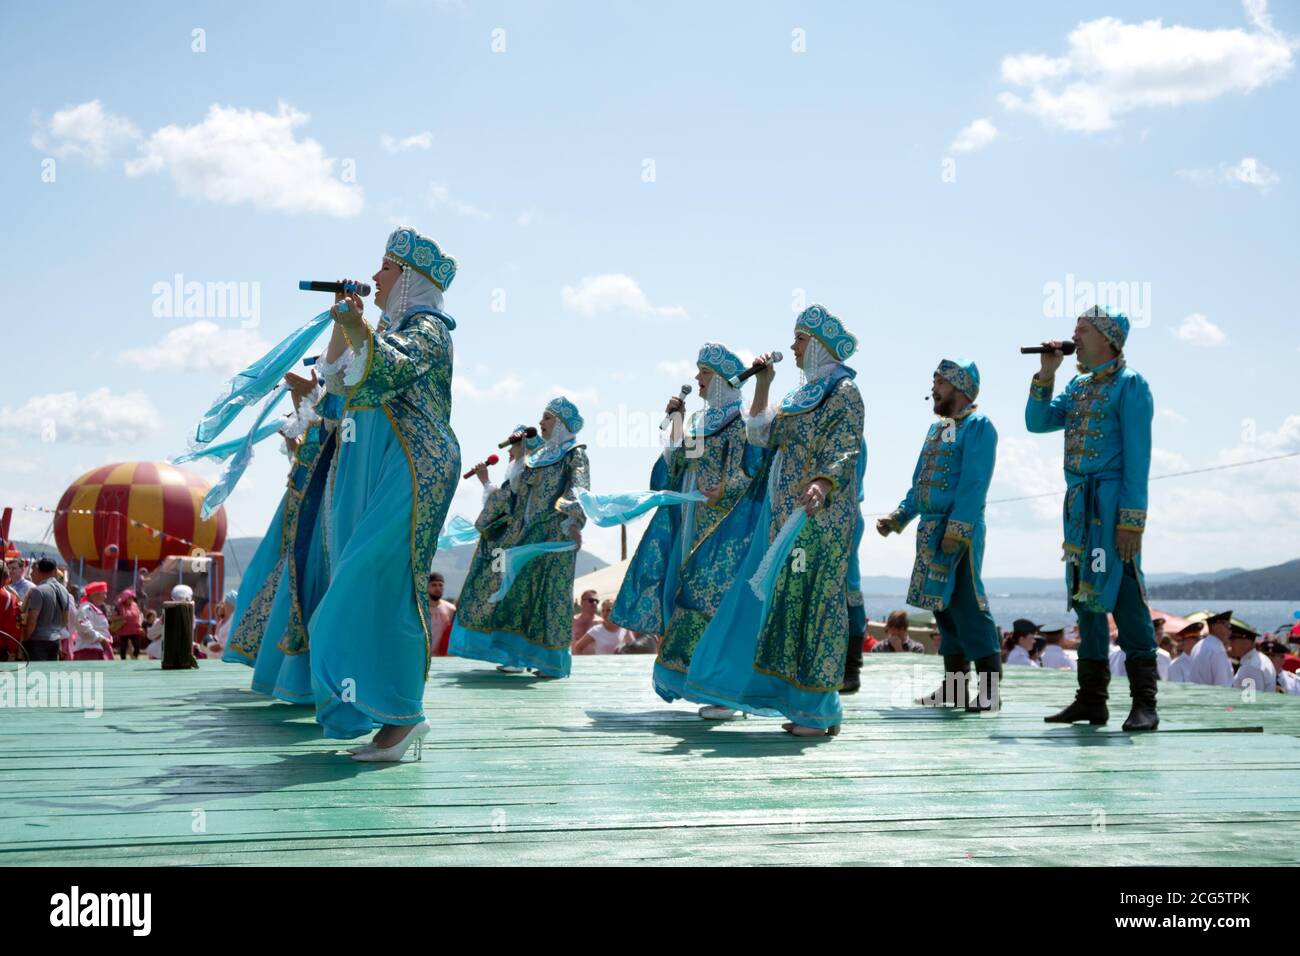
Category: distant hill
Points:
column 885, row 586
column 1278, row 583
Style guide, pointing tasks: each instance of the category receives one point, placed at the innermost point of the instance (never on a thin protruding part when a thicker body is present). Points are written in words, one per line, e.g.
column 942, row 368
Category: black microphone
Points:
column 1067, row 348
column 360, row 288
column 517, row 437
column 735, row 380
column 668, row 419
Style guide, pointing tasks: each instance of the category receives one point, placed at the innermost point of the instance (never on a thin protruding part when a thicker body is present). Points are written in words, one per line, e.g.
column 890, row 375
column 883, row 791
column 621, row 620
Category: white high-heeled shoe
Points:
column 713, row 712
column 507, row 669
column 398, row 750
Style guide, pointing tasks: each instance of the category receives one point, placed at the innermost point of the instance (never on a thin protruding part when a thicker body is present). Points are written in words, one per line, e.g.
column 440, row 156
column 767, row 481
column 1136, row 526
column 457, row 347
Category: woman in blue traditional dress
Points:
column 499, row 525
column 286, row 577
column 777, row 643
column 689, row 553
column 531, row 623
column 386, row 497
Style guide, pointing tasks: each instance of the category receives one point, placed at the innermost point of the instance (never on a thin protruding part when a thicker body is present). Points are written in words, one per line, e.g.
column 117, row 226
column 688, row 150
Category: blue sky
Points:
column 798, row 154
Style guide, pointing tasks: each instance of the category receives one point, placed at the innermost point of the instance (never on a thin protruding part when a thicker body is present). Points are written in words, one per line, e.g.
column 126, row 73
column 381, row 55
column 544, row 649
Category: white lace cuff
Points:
column 339, row 365
column 487, row 491
column 305, row 416
column 759, row 426
column 360, row 359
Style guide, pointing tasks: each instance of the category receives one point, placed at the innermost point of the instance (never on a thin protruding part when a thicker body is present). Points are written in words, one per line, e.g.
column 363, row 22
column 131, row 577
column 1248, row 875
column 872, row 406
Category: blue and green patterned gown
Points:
column 531, row 626
column 949, row 486
column 499, row 525
column 1106, row 414
column 784, row 652
column 397, row 467
column 287, row 575
column 676, row 580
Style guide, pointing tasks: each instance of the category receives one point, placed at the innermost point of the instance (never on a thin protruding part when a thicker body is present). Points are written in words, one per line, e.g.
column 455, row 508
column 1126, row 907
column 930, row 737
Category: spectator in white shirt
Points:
column 93, row 640
column 1117, row 667
column 1209, row 659
column 1180, row 666
column 604, row 637
column 1275, row 651
column 1254, row 670
column 1021, row 642
column 1054, row 656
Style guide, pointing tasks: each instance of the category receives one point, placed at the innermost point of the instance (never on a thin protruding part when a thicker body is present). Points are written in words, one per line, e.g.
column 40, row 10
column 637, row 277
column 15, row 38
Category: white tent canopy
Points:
column 605, row 581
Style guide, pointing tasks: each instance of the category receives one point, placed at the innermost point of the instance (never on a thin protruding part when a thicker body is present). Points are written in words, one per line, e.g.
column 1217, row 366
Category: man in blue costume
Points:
column 1106, row 413
column 949, row 486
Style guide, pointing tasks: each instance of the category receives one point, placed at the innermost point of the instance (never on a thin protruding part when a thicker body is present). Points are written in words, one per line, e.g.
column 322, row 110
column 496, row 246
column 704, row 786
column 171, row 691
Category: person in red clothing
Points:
column 441, row 614
column 126, row 625
column 10, row 630
column 868, row 642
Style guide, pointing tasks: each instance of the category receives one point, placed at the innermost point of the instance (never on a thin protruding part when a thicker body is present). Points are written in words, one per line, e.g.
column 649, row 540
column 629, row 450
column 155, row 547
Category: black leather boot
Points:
column 1090, row 700
column 852, row 667
column 955, row 689
column 988, row 685
column 1142, row 688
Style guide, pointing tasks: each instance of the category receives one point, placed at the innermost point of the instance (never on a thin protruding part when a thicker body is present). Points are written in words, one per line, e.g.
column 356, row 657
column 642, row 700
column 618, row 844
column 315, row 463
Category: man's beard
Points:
column 946, row 406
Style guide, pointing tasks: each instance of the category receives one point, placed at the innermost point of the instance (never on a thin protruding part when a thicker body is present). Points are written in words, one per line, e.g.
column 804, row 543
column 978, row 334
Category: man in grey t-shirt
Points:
column 46, row 609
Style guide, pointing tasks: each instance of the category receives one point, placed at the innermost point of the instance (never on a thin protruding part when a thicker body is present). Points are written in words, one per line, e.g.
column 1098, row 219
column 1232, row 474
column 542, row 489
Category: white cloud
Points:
column 1253, row 173
column 506, row 387
column 1249, row 171
column 201, row 347
column 526, row 218
column 614, row 292
column 1197, row 330
column 582, row 397
column 440, row 198
column 1028, row 466
column 1112, row 67
column 99, row 417
column 1164, row 461
column 84, row 130
column 1169, row 415
column 677, row 368
column 392, row 144
column 975, row 136
column 245, row 156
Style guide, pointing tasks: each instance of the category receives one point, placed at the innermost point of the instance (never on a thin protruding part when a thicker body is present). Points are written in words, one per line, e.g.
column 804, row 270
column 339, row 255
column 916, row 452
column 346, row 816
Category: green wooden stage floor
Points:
column 192, row 768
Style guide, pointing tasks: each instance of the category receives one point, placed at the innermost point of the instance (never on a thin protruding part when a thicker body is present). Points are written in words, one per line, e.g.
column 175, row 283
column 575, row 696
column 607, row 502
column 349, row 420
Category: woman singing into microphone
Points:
column 387, row 495
column 777, row 642
column 499, row 525
column 531, row 622
column 689, row 554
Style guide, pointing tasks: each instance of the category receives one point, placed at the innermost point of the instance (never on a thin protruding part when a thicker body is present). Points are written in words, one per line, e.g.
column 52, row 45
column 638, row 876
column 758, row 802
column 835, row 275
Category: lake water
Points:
column 1263, row 615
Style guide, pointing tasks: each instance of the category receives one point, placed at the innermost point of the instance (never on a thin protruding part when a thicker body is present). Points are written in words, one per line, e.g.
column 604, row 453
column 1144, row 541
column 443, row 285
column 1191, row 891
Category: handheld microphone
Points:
column 735, row 380
column 1067, row 348
column 490, row 460
column 529, row 432
column 360, row 288
column 668, row 419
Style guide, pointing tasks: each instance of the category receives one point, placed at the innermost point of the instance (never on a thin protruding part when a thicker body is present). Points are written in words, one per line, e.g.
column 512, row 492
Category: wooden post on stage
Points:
column 623, row 530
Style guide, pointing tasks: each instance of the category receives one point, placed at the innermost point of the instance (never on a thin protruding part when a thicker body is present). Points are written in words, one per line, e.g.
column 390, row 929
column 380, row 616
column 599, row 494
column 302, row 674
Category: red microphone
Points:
column 490, row 460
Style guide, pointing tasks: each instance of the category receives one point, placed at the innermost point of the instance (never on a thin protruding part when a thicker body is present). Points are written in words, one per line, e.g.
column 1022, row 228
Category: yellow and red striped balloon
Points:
column 151, row 496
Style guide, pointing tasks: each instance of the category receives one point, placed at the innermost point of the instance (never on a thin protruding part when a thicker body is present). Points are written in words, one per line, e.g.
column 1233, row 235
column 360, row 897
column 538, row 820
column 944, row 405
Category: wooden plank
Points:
column 191, row 768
